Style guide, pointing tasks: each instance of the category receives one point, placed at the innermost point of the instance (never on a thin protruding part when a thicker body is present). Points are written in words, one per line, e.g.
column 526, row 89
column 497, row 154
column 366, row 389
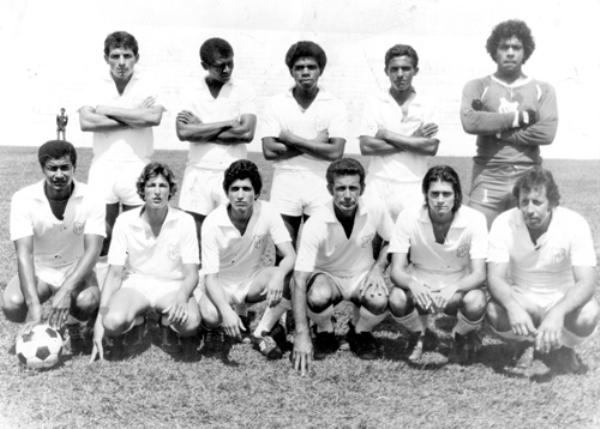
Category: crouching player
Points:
column 541, row 274
column 234, row 239
column 335, row 262
column 438, row 264
column 153, row 264
column 57, row 227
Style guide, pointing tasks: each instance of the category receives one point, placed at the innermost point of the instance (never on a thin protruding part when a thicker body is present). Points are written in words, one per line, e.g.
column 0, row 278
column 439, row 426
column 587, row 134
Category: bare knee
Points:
column 582, row 322
column 208, row 314
column 14, row 307
column 496, row 316
column 399, row 303
column 374, row 301
column 86, row 303
column 473, row 304
column 115, row 323
column 319, row 296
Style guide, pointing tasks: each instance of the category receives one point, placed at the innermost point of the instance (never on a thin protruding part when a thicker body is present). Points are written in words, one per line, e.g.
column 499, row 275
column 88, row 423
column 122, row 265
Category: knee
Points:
column 86, row 303
column 474, row 304
column 190, row 327
column 399, row 303
column 14, row 308
column 586, row 320
column 208, row 314
column 375, row 302
column 319, row 296
column 115, row 323
column 495, row 315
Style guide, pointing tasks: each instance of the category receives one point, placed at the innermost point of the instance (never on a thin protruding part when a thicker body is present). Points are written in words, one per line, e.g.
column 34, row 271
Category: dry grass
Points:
column 152, row 390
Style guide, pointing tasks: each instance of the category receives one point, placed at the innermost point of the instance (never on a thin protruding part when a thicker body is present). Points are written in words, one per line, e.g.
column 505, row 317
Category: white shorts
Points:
column 435, row 280
column 298, row 192
column 116, row 181
column 396, row 196
column 151, row 288
column 54, row 276
column 235, row 290
column 347, row 286
column 201, row 190
column 545, row 301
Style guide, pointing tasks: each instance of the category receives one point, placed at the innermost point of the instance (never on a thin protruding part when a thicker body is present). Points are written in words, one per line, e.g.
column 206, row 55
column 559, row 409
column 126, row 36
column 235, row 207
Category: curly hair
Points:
column 152, row 170
column 345, row 167
column 305, row 48
column 213, row 47
column 55, row 149
column 240, row 170
column 120, row 39
column 536, row 178
column 506, row 30
column 443, row 173
column 401, row 51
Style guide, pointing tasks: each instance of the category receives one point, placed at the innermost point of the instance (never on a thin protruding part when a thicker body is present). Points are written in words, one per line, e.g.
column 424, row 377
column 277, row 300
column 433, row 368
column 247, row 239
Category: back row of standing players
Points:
column 512, row 115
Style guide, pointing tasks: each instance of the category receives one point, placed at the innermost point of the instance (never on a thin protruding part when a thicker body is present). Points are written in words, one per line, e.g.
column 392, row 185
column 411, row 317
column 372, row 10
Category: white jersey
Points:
column 56, row 243
column 283, row 112
column 545, row 266
column 466, row 240
column 127, row 144
column 235, row 99
column 135, row 247
column 324, row 245
column 383, row 111
column 235, row 257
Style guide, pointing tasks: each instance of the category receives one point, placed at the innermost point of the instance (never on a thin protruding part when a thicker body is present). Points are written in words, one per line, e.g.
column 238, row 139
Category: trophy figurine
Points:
column 61, row 125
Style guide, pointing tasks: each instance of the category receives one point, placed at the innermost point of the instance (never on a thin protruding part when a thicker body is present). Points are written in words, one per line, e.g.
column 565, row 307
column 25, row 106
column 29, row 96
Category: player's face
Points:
column 536, row 208
column 345, row 191
column 220, row 69
column 121, row 62
column 59, row 174
column 440, row 200
column 156, row 192
column 509, row 55
column 306, row 73
column 241, row 196
column 400, row 70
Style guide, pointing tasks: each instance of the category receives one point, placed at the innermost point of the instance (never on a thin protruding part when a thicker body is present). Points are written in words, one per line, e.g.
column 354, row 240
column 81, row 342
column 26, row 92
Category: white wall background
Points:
column 53, row 49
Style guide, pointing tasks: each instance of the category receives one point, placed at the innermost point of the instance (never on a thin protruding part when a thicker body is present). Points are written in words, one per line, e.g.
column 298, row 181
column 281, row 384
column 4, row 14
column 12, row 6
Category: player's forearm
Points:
column 201, row 132
column 474, row 279
column 499, row 288
column 399, row 274
column 299, row 301
column 241, row 132
column 137, row 117
column 370, row 146
column 422, row 145
column 539, row 134
column 190, row 279
column 90, row 121
column 273, row 149
column 580, row 293
column 215, row 293
column 112, row 283
column 382, row 260
column 485, row 123
column 328, row 151
column 85, row 265
column 27, row 279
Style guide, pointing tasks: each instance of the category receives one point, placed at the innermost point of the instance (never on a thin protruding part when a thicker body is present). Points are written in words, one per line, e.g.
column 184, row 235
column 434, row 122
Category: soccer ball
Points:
column 39, row 348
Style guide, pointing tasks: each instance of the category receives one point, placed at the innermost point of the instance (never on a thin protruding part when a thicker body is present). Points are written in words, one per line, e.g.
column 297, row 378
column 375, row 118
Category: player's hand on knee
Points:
column 303, row 352
column 177, row 311
column 374, row 282
column 421, row 294
column 443, row 297
column 521, row 322
column 61, row 304
column 232, row 324
column 97, row 349
column 275, row 289
column 549, row 332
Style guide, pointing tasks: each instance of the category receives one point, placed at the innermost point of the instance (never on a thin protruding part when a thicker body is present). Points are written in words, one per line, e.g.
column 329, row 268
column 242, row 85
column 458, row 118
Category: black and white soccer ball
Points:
column 39, row 348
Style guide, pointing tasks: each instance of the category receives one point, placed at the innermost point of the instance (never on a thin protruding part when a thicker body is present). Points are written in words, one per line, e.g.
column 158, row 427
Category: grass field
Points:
column 243, row 390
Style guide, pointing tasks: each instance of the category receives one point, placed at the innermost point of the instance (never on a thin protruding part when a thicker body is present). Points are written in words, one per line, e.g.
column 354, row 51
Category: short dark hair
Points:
column 213, row 47
column 155, row 169
column 400, row 51
column 305, row 48
column 443, row 173
column 120, row 39
column 55, row 149
column 345, row 167
column 506, row 30
column 535, row 178
column 240, row 170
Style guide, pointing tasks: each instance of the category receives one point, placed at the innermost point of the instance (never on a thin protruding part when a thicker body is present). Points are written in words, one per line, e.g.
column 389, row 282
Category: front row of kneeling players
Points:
column 541, row 264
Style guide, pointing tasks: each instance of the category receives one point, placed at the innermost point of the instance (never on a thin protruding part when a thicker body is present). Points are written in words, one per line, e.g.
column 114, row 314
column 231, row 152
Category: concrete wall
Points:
column 53, row 49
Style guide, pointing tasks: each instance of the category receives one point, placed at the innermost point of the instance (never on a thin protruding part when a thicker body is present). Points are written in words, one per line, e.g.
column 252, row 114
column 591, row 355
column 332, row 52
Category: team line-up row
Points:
column 541, row 277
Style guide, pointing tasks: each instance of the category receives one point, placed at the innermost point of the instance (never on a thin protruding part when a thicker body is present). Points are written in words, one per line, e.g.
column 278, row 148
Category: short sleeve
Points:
column 582, row 245
column 309, row 246
column 117, row 252
column 188, row 241
column 400, row 241
column 95, row 222
column 210, row 246
column 500, row 233
column 20, row 219
column 269, row 124
column 277, row 230
column 479, row 236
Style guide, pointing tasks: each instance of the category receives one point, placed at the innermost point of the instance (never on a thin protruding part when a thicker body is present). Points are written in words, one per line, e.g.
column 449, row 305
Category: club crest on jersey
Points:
column 556, row 255
column 78, row 227
column 259, row 240
column 173, row 251
column 463, row 249
column 507, row 106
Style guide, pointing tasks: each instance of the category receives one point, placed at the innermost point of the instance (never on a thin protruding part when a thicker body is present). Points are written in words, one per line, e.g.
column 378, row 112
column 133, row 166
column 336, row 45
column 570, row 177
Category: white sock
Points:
column 464, row 326
column 412, row 321
column 271, row 316
column 367, row 320
column 322, row 319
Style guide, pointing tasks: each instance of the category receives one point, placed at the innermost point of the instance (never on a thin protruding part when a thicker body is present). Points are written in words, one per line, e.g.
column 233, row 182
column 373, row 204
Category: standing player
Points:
column 447, row 244
column 511, row 114
column 335, row 262
column 57, row 226
column 398, row 135
column 121, row 121
column 219, row 122
column 542, row 276
column 304, row 130
column 153, row 264
column 234, row 237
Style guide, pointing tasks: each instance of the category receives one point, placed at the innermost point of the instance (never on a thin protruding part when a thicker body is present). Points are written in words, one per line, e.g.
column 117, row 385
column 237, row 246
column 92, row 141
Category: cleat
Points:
column 564, row 360
column 135, row 336
column 325, row 343
column 271, row 344
column 362, row 344
column 522, row 359
column 189, row 346
column 414, row 347
column 461, row 350
column 169, row 340
column 213, row 341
